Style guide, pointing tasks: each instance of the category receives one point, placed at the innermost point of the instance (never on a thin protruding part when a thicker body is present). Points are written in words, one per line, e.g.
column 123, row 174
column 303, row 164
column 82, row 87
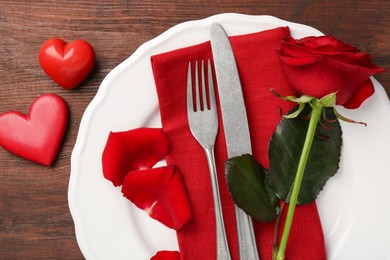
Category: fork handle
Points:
column 222, row 244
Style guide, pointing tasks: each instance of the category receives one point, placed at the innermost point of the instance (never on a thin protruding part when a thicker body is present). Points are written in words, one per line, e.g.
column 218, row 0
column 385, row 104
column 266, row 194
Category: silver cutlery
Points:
column 235, row 125
column 203, row 122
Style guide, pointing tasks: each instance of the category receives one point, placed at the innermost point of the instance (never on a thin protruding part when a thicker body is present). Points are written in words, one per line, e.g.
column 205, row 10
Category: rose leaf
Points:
column 246, row 182
column 285, row 149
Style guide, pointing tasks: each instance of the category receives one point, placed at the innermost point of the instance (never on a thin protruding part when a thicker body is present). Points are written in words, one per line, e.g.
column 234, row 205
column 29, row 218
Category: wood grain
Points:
column 35, row 222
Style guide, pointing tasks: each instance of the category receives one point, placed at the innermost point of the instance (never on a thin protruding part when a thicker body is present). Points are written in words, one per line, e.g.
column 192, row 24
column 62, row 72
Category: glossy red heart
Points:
column 36, row 136
column 68, row 64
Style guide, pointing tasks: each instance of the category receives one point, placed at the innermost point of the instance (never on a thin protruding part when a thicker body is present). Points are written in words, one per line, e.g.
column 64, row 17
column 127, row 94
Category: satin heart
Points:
column 68, row 64
column 37, row 136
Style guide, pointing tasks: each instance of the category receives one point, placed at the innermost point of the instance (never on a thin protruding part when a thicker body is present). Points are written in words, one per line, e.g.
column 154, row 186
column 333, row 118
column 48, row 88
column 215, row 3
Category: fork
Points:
column 203, row 121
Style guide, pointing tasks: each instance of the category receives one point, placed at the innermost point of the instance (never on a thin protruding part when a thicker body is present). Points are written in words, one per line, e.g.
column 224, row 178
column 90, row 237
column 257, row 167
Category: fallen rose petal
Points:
column 166, row 255
column 132, row 150
column 161, row 193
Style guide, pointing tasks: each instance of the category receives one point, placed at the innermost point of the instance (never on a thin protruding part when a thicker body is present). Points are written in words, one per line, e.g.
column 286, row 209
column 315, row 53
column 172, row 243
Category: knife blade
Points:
column 235, row 124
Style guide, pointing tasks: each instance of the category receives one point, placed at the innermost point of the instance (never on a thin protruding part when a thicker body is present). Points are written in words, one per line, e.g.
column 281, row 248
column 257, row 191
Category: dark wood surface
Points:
column 35, row 222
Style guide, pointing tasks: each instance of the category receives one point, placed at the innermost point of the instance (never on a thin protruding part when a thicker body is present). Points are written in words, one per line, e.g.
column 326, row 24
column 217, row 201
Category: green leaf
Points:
column 246, row 182
column 285, row 150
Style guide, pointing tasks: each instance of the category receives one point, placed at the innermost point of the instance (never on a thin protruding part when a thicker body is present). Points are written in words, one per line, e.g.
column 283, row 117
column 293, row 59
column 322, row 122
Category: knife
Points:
column 235, row 125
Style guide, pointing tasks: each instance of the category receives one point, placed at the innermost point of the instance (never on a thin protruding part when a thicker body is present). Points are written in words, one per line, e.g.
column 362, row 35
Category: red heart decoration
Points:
column 68, row 64
column 37, row 136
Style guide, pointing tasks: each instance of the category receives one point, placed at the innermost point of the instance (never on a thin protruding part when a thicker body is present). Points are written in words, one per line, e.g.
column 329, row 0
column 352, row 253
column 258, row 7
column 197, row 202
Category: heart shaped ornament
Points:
column 38, row 135
column 68, row 64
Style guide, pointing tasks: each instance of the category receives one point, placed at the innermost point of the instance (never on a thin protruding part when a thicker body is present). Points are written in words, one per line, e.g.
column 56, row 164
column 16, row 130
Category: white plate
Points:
column 353, row 205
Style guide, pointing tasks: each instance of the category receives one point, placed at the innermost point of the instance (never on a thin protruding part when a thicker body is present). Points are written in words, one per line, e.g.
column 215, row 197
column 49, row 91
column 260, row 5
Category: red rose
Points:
column 317, row 66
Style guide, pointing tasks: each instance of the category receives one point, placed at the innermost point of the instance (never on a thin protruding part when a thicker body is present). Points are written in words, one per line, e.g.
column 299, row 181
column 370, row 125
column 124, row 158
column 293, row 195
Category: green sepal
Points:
column 297, row 112
column 301, row 99
column 329, row 100
column 343, row 118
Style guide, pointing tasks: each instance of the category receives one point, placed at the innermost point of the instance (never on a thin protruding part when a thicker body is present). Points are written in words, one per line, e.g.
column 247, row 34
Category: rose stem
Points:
column 314, row 119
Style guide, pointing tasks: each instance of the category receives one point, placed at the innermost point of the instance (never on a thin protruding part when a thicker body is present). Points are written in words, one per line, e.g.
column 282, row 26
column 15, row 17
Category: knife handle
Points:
column 246, row 236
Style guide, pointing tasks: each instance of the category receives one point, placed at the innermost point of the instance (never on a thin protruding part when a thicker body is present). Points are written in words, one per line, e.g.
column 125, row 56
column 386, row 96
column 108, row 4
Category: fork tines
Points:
column 202, row 91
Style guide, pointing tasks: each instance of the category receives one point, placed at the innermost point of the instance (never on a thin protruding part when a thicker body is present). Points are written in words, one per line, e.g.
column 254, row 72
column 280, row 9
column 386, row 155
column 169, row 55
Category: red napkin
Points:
column 260, row 69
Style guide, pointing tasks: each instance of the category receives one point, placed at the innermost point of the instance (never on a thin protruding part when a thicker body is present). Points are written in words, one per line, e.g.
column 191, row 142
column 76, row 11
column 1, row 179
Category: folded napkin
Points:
column 260, row 69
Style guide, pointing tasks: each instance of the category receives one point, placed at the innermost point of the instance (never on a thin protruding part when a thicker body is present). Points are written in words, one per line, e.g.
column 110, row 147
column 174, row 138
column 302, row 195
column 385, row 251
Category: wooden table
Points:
column 35, row 222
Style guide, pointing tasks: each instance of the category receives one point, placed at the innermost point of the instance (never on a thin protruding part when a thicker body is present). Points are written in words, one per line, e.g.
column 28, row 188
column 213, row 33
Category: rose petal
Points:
column 326, row 45
column 161, row 193
column 302, row 61
column 365, row 91
column 294, row 52
column 166, row 255
column 132, row 150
